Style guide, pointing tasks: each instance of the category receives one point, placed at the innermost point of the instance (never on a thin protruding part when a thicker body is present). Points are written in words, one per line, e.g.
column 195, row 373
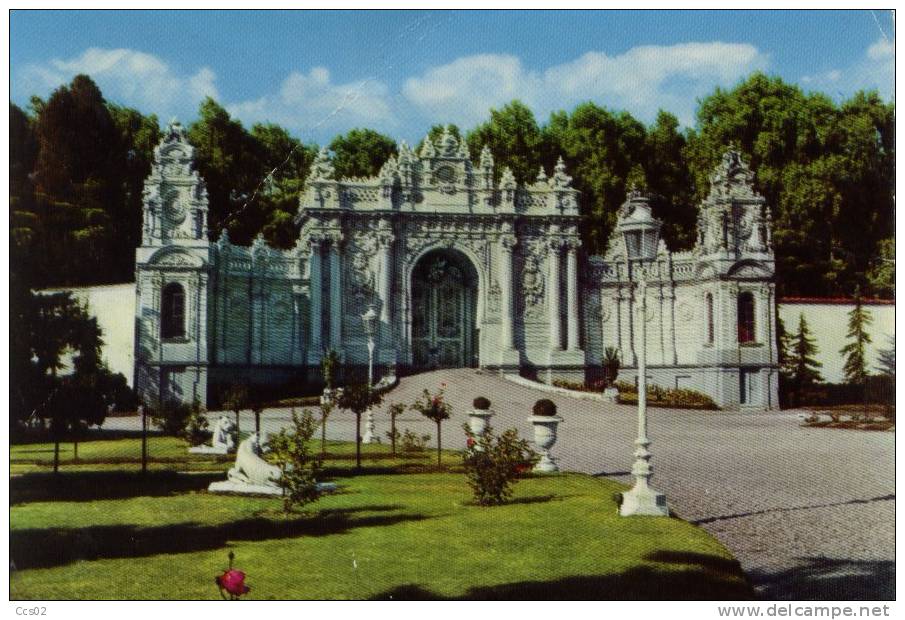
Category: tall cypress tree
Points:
column 855, row 367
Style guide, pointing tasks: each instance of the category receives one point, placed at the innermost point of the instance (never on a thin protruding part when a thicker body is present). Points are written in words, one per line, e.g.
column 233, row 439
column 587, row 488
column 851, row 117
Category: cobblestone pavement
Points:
column 809, row 513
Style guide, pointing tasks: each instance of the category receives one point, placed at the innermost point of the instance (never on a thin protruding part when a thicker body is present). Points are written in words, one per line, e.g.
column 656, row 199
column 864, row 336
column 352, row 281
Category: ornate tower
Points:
column 175, row 197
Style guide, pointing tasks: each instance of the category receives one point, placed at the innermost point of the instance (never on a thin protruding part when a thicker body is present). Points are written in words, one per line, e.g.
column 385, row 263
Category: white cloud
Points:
column 129, row 77
column 643, row 79
column 313, row 103
column 875, row 70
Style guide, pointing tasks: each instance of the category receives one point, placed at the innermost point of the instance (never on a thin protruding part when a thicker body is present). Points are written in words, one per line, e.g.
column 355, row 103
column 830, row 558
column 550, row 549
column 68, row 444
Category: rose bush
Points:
column 494, row 463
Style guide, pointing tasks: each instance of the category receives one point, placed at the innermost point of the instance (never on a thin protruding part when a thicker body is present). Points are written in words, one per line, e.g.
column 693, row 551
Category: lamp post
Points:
column 369, row 319
column 641, row 232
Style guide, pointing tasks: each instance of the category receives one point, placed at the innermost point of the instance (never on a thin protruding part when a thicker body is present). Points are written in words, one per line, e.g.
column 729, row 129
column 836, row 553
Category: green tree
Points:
column 514, row 139
column 299, row 467
column 799, row 364
column 601, row 149
column 361, row 153
column 887, row 359
column 881, row 275
column 669, row 181
column 855, row 367
column 227, row 158
column 358, row 399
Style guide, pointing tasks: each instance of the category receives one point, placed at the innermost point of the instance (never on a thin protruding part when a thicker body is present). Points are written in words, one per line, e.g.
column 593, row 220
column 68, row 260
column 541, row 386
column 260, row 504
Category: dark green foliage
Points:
column 298, row 465
column 361, row 153
column 172, row 418
column 680, row 398
column 855, row 367
column 77, row 165
column 887, row 359
column 825, row 169
column 799, row 367
column 480, row 403
column 196, row 431
column 493, row 464
column 544, row 407
column 413, row 443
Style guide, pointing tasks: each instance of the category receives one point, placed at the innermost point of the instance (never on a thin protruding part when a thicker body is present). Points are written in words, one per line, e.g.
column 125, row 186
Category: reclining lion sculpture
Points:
column 250, row 468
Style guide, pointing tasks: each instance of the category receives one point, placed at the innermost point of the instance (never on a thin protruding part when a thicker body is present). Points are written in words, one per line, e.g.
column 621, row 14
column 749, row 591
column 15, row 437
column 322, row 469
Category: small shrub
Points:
column 172, row 417
column 481, row 404
column 544, row 407
column 411, row 442
column 493, row 464
column 196, row 430
column 298, row 465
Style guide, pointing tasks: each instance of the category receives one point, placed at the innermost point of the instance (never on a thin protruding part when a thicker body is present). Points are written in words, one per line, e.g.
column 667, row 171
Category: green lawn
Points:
column 398, row 530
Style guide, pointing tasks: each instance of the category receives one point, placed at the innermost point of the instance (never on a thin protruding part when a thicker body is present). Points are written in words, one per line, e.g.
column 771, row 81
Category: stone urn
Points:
column 479, row 417
column 545, row 422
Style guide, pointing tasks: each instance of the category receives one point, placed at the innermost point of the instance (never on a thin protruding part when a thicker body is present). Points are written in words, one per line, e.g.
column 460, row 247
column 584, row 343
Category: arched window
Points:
column 745, row 317
column 172, row 311
column 708, row 309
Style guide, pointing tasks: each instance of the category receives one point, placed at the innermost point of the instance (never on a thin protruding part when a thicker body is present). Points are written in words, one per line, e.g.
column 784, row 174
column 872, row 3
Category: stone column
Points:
column 507, row 243
column 316, row 310
column 553, row 291
column 336, row 301
column 385, row 284
column 572, row 294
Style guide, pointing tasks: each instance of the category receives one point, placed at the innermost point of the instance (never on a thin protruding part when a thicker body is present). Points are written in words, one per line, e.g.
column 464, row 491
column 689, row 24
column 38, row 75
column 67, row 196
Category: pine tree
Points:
column 887, row 359
column 859, row 319
column 802, row 363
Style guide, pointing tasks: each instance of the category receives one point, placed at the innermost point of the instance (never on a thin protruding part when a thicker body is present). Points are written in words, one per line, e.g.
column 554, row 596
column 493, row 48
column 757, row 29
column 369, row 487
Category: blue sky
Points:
column 321, row 73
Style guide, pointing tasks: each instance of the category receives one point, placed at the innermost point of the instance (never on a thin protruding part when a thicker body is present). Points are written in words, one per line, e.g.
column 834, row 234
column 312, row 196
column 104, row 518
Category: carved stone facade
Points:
column 534, row 303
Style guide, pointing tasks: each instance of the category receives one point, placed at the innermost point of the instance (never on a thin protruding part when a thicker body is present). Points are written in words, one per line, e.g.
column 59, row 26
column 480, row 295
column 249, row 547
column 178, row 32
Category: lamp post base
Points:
column 643, row 500
column 369, row 436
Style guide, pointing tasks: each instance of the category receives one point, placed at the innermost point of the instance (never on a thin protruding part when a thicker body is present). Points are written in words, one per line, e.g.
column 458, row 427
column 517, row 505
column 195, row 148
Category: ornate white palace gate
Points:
column 463, row 271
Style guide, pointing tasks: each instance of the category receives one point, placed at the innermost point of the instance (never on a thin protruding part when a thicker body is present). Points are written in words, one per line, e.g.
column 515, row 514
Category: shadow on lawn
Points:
column 89, row 486
column 48, row 547
column 642, row 583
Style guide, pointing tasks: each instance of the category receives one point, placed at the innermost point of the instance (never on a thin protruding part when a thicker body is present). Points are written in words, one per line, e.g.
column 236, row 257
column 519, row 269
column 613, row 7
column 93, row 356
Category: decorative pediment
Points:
column 749, row 269
column 169, row 257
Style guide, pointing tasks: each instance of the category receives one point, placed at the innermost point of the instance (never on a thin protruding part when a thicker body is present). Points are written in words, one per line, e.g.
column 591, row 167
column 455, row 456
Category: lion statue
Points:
column 250, row 468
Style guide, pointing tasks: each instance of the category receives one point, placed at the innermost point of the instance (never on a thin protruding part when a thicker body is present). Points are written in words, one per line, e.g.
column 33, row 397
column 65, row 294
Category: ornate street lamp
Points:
column 642, row 234
column 369, row 319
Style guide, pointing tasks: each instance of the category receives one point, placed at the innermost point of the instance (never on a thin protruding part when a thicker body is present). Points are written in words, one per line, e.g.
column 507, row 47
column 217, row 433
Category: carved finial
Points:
column 224, row 237
column 322, row 167
column 259, row 246
column 561, row 180
column 448, row 143
column 175, row 130
column 388, row 172
column 463, row 151
column 541, row 175
column 427, row 149
column 507, row 180
column 486, row 158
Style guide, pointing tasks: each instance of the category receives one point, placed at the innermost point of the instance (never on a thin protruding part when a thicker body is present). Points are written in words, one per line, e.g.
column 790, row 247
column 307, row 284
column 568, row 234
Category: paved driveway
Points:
column 810, row 513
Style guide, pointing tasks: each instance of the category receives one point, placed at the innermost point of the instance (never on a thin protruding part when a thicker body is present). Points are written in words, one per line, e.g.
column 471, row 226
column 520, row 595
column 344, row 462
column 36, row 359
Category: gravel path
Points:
column 809, row 513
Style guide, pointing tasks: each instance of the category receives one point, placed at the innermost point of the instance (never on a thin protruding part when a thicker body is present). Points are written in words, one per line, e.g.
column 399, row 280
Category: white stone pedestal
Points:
column 228, row 486
column 611, row 395
column 643, row 500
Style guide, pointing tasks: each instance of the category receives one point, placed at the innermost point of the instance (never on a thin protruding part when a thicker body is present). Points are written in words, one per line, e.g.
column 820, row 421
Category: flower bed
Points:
column 675, row 398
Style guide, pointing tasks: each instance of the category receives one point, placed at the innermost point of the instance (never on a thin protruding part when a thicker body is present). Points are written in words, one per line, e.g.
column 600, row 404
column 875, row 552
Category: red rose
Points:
column 233, row 581
column 470, row 442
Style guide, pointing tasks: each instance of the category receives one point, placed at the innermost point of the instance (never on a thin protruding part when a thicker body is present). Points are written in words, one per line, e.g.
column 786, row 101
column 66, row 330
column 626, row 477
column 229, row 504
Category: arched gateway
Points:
column 444, row 304
column 465, row 268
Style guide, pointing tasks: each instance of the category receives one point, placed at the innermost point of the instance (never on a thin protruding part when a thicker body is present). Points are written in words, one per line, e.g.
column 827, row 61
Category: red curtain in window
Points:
column 746, row 317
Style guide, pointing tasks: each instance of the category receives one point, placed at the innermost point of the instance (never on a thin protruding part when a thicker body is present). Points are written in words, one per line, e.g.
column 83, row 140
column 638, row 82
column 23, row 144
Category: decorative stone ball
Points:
column 544, row 407
column 481, row 403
